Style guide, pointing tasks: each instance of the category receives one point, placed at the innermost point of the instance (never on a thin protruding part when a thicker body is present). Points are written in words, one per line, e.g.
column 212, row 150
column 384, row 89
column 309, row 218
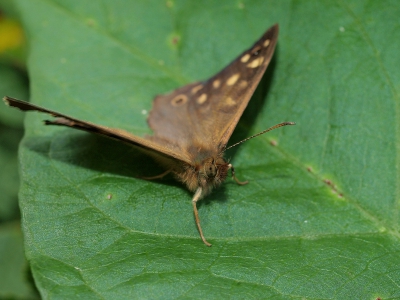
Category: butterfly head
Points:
column 207, row 174
column 212, row 172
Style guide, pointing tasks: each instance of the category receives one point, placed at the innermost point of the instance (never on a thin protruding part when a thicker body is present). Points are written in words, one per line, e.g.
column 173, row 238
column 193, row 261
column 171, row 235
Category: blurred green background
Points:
column 16, row 281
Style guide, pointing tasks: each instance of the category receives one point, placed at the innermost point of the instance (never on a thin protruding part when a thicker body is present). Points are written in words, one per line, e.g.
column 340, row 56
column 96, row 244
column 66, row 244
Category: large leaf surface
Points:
column 319, row 218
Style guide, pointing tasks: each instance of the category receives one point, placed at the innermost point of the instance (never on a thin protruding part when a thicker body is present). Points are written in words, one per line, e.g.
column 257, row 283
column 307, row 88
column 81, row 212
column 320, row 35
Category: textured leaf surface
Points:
column 319, row 219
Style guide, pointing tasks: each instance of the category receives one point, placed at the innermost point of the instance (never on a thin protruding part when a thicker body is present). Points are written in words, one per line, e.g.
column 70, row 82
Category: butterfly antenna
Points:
column 262, row 132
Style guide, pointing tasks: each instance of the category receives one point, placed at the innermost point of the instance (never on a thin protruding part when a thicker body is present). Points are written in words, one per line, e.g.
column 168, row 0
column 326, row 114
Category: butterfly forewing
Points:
column 206, row 113
column 167, row 150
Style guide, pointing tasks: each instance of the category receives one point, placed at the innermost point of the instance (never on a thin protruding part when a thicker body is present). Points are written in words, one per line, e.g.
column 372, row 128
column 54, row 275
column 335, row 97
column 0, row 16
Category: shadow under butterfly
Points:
column 193, row 124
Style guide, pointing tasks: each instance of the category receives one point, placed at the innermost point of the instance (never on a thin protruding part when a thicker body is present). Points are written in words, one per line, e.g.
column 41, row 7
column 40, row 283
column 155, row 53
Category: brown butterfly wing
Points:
column 167, row 151
column 201, row 117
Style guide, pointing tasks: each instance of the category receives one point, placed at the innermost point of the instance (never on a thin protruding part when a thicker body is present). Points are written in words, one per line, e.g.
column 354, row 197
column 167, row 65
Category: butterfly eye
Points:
column 211, row 170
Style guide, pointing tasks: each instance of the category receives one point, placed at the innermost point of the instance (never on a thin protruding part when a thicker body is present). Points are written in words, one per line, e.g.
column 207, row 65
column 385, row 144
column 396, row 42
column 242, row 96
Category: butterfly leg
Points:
column 157, row 176
column 235, row 178
column 197, row 197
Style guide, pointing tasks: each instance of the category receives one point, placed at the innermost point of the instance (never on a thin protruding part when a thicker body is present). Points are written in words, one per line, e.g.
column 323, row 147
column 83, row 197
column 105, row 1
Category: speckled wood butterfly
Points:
column 192, row 125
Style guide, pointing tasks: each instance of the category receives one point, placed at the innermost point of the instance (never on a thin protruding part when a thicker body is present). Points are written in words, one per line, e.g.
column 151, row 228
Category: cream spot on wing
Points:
column 196, row 88
column 232, row 80
column 255, row 63
column 179, row 100
column 245, row 58
column 266, row 43
column 216, row 83
column 243, row 84
column 230, row 102
column 202, row 99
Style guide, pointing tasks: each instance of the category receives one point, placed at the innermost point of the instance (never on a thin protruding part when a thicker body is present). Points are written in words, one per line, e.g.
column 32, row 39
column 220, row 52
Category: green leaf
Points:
column 320, row 217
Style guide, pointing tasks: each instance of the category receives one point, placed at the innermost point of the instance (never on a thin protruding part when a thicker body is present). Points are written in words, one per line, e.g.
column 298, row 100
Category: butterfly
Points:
column 192, row 125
